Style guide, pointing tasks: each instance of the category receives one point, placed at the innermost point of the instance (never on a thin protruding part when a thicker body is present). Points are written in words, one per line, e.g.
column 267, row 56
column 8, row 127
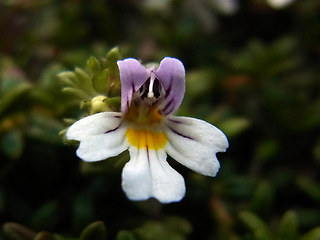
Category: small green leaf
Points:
column 12, row 96
column 114, row 78
column 69, row 121
column 100, row 81
column 151, row 230
column 174, row 228
column 95, row 231
column 114, row 103
column 125, row 235
column 310, row 187
column 112, row 57
column 85, row 81
column 313, row 234
column 93, row 65
column 262, row 198
column 16, row 231
column 288, row 227
column 81, row 75
column 68, row 81
column 68, row 78
column 76, row 92
column 178, row 225
column 256, row 225
column 44, row 236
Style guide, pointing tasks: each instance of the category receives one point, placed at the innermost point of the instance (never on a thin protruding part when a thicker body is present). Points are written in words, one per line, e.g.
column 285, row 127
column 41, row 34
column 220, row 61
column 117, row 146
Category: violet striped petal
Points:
column 194, row 143
column 132, row 76
column 95, row 124
column 171, row 74
column 101, row 136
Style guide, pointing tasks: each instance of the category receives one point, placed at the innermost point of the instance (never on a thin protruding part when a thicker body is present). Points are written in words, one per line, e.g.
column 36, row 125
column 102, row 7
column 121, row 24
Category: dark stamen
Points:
column 156, row 89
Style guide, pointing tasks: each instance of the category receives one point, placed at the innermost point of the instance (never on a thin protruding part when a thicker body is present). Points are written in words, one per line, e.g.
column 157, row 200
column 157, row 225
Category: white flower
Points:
column 227, row 7
column 145, row 126
column 279, row 3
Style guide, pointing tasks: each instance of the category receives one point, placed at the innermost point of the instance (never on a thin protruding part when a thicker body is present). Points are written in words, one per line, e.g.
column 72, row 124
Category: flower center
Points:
column 142, row 138
column 144, row 107
column 142, row 116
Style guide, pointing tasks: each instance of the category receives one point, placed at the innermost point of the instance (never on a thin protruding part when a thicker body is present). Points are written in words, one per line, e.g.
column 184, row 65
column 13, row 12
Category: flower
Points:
column 277, row 4
column 145, row 126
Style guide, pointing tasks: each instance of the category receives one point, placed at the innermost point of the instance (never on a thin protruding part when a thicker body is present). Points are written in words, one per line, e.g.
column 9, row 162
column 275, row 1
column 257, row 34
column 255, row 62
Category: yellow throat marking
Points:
column 149, row 117
column 143, row 138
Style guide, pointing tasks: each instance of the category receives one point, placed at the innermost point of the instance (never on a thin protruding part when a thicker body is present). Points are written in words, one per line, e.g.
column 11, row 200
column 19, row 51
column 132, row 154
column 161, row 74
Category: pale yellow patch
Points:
column 143, row 138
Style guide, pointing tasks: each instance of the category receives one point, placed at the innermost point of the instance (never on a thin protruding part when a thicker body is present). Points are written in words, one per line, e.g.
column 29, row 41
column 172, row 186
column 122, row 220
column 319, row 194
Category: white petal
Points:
column 95, row 124
column 101, row 146
column 167, row 184
column 279, row 3
column 148, row 174
column 136, row 175
column 194, row 143
column 101, row 136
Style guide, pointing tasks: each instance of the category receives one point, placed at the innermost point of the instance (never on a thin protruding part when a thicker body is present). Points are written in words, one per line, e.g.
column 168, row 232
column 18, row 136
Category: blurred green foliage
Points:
column 252, row 70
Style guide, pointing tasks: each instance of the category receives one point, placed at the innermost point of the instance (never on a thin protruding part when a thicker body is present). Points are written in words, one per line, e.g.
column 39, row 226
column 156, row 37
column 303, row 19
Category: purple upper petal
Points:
column 132, row 76
column 171, row 75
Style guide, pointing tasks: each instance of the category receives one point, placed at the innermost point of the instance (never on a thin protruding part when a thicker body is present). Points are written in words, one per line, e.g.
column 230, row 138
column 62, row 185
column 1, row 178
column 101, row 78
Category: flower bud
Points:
column 99, row 104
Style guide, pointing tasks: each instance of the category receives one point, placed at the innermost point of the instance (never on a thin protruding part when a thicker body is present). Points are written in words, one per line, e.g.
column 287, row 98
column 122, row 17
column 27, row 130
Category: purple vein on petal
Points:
column 132, row 77
column 148, row 154
column 167, row 105
column 132, row 85
column 180, row 134
column 112, row 130
column 168, row 90
column 170, row 111
column 171, row 74
column 175, row 121
column 128, row 102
